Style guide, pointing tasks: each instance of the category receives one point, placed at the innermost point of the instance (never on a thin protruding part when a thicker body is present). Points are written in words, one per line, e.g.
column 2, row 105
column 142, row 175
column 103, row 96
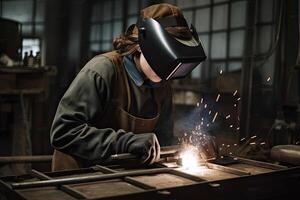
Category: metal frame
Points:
column 263, row 184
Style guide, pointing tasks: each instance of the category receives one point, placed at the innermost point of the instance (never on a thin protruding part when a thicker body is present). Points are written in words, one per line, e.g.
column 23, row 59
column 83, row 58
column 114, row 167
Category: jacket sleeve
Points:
column 165, row 125
column 87, row 97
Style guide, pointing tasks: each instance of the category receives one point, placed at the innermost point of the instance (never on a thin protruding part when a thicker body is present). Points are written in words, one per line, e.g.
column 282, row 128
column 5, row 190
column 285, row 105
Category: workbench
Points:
column 240, row 178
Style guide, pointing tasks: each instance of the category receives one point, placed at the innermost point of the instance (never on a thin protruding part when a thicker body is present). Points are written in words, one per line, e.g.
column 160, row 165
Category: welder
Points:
column 121, row 101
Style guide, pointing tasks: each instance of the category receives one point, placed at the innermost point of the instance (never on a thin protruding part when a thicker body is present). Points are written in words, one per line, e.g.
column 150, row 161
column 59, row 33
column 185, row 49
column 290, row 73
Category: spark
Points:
column 234, row 105
column 235, row 144
column 238, row 128
column 297, row 142
column 254, row 136
column 197, row 104
column 223, row 144
column 207, row 125
column 201, row 100
column 221, row 71
column 215, row 116
column 239, row 98
column 231, row 126
column 262, row 143
column 227, row 116
column 230, row 153
column 218, row 97
column 228, row 145
column 268, row 79
column 234, row 92
column 209, row 112
column 205, row 105
column 243, row 139
column 252, row 143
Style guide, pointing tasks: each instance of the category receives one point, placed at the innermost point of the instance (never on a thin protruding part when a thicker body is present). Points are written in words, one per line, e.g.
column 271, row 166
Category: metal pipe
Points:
column 90, row 178
column 25, row 159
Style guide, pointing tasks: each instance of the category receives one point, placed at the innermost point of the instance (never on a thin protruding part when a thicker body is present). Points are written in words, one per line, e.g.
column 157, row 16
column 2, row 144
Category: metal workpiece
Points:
column 223, row 177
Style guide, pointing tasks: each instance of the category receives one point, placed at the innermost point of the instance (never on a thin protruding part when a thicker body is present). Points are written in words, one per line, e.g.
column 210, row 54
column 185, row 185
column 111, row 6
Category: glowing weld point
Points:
column 234, row 92
column 268, row 79
column 189, row 157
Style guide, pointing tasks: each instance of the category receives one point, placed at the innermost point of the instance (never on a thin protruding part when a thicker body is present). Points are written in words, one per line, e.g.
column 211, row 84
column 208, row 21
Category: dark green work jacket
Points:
column 102, row 107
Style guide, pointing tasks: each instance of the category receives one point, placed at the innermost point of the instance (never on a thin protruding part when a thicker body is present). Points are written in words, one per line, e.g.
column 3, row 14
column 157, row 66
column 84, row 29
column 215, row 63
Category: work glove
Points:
column 144, row 145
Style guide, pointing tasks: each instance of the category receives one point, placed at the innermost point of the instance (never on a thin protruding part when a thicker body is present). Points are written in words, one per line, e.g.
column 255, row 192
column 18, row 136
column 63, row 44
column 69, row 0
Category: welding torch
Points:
column 166, row 153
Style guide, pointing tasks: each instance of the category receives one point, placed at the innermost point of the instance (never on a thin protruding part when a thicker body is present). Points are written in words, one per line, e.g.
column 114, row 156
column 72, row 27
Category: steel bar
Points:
column 260, row 164
column 126, row 178
column 139, row 183
column 227, row 169
column 67, row 189
column 90, row 178
column 188, row 176
column 25, row 159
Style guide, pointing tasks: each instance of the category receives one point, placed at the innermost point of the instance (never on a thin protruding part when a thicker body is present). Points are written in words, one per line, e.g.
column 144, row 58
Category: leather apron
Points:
column 120, row 117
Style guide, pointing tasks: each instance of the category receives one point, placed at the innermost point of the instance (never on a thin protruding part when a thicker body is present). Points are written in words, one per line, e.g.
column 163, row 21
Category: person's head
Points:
column 172, row 24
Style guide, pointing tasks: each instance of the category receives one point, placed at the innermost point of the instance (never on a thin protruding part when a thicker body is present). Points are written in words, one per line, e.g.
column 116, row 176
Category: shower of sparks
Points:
column 227, row 116
column 201, row 100
column 215, row 116
column 268, row 79
column 218, row 97
column 221, row 71
column 234, row 92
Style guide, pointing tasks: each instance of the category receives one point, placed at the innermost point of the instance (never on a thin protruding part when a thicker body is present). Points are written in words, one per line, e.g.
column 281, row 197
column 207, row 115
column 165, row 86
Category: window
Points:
column 31, row 14
column 107, row 22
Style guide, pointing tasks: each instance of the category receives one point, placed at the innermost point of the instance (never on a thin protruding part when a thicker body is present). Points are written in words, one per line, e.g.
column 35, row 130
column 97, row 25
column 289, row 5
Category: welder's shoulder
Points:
column 101, row 66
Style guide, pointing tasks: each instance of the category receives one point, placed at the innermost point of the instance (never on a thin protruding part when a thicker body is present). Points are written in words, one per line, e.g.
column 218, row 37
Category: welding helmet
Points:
column 168, row 56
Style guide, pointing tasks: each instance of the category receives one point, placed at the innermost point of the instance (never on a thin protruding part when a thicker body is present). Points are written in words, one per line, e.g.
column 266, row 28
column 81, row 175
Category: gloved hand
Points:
column 145, row 145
